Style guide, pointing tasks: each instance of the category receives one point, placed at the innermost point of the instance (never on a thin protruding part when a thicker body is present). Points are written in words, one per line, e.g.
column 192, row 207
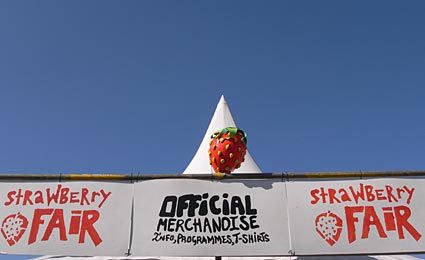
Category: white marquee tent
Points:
column 200, row 165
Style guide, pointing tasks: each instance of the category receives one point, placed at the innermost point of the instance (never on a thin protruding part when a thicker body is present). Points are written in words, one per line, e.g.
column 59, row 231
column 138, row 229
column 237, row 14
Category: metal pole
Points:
column 242, row 176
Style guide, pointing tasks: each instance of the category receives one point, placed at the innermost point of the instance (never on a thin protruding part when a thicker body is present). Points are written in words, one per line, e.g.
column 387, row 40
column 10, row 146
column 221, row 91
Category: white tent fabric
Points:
column 222, row 118
column 200, row 164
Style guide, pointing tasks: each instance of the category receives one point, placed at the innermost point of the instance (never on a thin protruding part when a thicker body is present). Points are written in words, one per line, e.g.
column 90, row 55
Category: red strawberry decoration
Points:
column 227, row 150
column 329, row 227
column 13, row 227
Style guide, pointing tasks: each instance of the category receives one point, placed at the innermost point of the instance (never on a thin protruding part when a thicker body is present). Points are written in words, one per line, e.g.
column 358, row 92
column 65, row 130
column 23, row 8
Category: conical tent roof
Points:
column 222, row 118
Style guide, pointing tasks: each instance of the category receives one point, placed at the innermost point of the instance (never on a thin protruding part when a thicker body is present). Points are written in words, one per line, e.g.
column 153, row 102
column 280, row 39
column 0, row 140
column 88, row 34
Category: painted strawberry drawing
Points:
column 329, row 227
column 13, row 227
column 227, row 150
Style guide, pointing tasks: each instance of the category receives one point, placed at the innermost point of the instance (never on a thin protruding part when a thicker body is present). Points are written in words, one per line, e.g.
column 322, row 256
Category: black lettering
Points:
column 225, row 207
column 237, row 204
column 179, row 225
column 249, row 209
column 210, row 239
column 225, row 223
column 236, row 236
column 187, row 225
column 183, row 204
column 193, row 205
column 162, row 223
column 252, row 221
column 181, row 238
column 213, row 208
column 266, row 237
column 156, row 236
column 244, row 238
column 172, row 211
column 216, row 223
column 229, row 239
column 233, row 226
column 244, row 225
column 207, row 226
column 217, row 239
column 171, row 223
column 203, row 208
column 197, row 225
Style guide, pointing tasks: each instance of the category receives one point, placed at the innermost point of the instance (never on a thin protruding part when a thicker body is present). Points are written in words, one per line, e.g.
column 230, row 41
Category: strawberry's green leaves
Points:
column 244, row 138
column 232, row 132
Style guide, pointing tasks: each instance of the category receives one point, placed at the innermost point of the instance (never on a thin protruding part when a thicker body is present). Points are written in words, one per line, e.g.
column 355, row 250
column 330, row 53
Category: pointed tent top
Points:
column 222, row 118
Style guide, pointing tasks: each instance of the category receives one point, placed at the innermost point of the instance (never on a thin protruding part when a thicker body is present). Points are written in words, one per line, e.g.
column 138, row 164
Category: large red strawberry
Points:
column 227, row 149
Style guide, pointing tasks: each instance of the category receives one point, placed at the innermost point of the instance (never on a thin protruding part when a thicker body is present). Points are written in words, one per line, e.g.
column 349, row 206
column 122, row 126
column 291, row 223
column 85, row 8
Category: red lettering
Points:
column 74, row 225
column 395, row 219
column 88, row 220
column 54, row 196
column 27, row 198
column 379, row 194
column 36, row 222
column 94, row 194
column 74, row 197
column 10, row 195
column 58, row 222
column 64, row 195
column 351, row 220
column 389, row 218
column 399, row 192
column 410, row 192
column 391, row 197
column 369, row 193
column 370, row 218
column 354, row 193
column 39, row 197
column 344, row 197
column 323, row 194
column 81, row 223
column 84, row 198
column 402, row 213
column 18, row 197
column 105, row 197
column 313, row 194
column 332, row 197
column 359, row 194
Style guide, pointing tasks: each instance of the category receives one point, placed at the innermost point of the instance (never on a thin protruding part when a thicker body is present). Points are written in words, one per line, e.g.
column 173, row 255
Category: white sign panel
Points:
column 357, row 216
column 78, row 218
column 205, row 218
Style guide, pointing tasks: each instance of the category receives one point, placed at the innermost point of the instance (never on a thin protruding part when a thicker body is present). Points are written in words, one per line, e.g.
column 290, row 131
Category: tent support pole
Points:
column 141, row 177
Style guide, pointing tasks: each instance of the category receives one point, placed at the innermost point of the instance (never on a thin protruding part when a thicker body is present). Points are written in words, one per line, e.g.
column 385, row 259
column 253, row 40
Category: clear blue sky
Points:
column 130, row 86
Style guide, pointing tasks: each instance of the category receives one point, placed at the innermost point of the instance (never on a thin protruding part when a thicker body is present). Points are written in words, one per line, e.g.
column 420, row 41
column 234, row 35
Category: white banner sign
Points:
column 188, row 217
column 78, row 218
column 357, row 216
column 204, row 218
